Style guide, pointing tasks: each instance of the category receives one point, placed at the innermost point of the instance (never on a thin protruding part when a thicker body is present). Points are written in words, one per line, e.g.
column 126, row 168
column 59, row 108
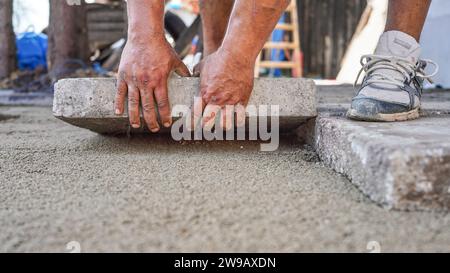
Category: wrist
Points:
column 242, row 58
column 145, row 20
column 144, row 35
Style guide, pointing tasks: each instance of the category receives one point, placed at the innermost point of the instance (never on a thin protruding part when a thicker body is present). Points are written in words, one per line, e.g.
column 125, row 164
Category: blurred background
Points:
column 42, row 41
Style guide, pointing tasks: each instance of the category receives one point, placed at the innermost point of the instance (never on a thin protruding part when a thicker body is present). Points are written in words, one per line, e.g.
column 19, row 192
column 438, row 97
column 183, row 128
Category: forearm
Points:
column 409, row 20
column 251, row 23
column 145, row 20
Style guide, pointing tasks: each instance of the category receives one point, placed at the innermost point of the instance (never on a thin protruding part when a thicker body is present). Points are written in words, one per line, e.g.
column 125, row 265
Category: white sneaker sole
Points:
column 411, row 115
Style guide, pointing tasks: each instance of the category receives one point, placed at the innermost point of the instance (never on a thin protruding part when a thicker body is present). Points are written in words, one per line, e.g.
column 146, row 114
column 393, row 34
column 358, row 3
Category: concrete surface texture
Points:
column 59, row 184
column 402, row 166
column 399, row 165
column 89, row 103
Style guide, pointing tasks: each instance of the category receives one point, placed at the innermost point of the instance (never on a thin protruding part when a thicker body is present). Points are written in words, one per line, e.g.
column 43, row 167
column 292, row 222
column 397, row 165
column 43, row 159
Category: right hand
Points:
column 144, row 70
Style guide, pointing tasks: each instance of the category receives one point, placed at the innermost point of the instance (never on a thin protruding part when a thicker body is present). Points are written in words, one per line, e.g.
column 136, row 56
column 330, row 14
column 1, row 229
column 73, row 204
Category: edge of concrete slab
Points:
column 394, row 164
column 88, row 102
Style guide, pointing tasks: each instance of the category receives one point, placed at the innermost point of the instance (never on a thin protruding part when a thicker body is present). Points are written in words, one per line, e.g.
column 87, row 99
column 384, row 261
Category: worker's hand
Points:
column 143, row 74
column 226, row 80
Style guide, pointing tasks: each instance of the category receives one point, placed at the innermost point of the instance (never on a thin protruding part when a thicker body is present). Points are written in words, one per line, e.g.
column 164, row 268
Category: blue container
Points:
column 31, row 50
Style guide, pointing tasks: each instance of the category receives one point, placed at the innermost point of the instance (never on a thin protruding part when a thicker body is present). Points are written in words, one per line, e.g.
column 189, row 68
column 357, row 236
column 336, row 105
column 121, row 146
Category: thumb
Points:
column 197, row 69
column 182, row 70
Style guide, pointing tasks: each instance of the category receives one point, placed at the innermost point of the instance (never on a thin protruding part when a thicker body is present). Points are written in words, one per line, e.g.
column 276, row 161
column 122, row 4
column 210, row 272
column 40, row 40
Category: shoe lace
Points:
column 373, row 65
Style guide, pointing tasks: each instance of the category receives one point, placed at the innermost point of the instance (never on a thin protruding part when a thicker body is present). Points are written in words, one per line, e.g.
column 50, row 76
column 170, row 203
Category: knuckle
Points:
column 157, row 77
column 123, row 75
column 204, row 90
column 121, row 92
column 134, row 101
column 148, row 80
column 143, row 79
column 134, row 79
column 233, row 100
column 163, row 103
column 206, row 97
column 148, row 107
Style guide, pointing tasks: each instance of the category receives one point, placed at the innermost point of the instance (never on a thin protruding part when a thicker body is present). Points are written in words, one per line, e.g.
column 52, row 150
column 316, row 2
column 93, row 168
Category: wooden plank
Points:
column 280, row 45
column 106, row 16
column 106, row 26
column 281, row 65
column 285, row 27
column 326, row 29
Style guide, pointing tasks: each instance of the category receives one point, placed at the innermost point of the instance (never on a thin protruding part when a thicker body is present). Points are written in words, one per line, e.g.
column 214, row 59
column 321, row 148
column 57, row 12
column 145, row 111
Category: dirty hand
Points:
column 226, row 83
column 143, row 74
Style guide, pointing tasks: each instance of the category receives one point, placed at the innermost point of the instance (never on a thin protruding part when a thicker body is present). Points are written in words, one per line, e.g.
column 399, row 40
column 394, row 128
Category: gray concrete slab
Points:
column 148, row 193
column 402, row 165
column 89, row 103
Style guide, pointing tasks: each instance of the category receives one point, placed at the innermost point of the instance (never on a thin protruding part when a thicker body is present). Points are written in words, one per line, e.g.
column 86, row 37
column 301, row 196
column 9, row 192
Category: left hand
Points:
column 226, row 83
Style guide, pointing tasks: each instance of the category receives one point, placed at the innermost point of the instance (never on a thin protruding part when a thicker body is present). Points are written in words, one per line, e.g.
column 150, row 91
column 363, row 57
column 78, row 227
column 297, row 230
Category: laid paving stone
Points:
column 403, row 166
column 89, row 103
column 11, row 98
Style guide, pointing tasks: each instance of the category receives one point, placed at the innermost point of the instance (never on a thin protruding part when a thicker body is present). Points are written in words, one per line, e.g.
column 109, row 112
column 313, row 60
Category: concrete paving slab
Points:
column 403, row 166
column 399, row 165
column 88, row 103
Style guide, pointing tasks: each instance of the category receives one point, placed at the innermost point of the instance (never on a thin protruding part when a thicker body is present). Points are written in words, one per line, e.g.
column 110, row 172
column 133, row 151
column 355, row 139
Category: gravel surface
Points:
column 60, row 184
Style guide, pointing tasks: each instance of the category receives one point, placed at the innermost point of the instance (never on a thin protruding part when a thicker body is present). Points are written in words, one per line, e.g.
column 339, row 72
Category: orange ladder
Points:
column 294, row 62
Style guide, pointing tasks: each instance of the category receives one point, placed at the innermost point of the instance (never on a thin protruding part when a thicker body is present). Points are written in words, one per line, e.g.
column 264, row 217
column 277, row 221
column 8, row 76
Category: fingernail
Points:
column 118, row 112
column 154, row 130
column 167, row 124
column 136, row 126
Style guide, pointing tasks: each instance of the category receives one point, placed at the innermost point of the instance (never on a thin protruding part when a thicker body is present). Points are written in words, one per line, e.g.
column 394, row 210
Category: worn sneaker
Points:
column 392, row 87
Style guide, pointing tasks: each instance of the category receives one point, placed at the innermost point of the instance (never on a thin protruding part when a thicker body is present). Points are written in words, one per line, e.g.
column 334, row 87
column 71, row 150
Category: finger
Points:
column 227, row 117
column 196, row 73
column 162, row 100
column 149, row 110
column 182, row 70
column 197, row 69
column 133, row 107
column 240, row 115
column 121, row 96
column 209, row 116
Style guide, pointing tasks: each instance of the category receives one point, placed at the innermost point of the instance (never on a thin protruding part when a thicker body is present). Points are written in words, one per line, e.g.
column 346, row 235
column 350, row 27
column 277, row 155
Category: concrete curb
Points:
column 404, row 166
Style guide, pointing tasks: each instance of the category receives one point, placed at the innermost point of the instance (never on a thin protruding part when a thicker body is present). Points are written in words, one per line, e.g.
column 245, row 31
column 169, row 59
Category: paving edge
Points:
column 399, row 178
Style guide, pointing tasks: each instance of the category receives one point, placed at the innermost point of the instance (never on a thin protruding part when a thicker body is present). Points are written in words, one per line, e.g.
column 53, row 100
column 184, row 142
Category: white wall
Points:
column 364, row 43
column 436, row 39
column 30, row 13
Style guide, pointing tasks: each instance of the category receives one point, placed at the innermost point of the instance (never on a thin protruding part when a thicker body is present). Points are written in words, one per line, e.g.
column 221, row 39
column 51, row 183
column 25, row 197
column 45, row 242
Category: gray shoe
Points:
column 393, row 85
